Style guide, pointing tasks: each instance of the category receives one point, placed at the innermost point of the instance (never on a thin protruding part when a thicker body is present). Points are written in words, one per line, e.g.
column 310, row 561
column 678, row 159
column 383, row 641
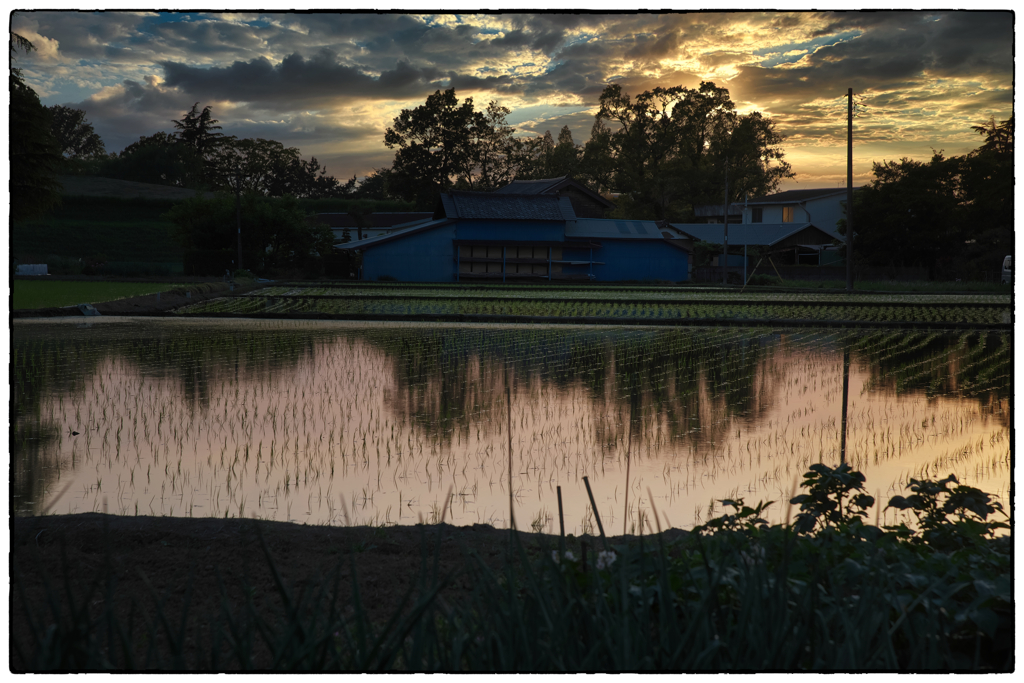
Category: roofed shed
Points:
column 585, row 202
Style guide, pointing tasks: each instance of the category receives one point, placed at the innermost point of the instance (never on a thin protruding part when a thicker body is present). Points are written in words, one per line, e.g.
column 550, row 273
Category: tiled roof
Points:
column 492, row 206
column 552, row 186
column 752, row 234
column 531, row 186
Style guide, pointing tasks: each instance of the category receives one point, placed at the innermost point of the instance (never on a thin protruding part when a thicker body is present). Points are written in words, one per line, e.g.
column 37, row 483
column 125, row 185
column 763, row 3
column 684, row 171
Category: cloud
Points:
column 300, row 83
column 331, row 82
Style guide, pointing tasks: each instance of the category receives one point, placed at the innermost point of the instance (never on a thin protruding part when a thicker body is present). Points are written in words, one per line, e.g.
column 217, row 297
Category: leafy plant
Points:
column 745, row 519
column 827, row 491
column 959, row 519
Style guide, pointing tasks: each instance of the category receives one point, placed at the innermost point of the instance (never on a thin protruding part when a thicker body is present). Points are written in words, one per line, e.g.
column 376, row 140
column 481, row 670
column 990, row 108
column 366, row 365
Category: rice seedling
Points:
column 259, row 417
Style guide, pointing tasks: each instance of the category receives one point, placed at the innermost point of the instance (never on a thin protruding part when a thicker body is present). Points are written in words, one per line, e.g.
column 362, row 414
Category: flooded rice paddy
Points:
column 370, row 423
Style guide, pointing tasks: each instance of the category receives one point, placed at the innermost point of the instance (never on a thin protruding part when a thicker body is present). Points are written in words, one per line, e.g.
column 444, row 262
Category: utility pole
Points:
column 849, row 190
column 238, row 212
column 725, row 245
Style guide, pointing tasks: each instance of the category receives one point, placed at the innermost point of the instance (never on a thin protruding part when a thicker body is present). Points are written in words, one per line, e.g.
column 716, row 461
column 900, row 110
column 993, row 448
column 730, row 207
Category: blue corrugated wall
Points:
column 429, row 256
column 541, row 231
column 640, row 260
column 421, row 257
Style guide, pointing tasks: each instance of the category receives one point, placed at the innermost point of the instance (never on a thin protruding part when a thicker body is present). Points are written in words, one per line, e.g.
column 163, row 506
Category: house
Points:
column 504, row 237
column 823, row 207
column 585, row 202
column 788, row 243
column 361, row 226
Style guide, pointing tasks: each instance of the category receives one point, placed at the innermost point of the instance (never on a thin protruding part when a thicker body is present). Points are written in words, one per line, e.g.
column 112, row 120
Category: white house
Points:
column 823, row 207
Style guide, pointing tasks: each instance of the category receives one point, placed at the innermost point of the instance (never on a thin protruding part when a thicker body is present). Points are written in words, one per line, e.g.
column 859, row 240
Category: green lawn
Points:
column 50, row 293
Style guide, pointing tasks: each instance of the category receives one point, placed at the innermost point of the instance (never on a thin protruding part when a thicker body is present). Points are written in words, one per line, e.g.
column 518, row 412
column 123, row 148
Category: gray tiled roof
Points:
column 552, row 186
column 752, row 234
column 531, row 186
column 492, row 206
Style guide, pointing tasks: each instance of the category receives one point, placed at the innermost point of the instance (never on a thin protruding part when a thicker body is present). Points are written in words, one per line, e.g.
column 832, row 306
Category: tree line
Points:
column 661, row 152
column 952, row 215
column 195, row 155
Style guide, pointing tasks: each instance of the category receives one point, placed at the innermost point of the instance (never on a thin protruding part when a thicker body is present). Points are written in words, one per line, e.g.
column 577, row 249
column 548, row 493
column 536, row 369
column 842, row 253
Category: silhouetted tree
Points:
column 34, row 157
column 75, row 136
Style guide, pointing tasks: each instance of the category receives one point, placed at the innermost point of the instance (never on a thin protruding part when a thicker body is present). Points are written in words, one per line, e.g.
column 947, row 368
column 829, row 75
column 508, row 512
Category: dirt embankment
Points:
column 150, row 304
column 160, row 558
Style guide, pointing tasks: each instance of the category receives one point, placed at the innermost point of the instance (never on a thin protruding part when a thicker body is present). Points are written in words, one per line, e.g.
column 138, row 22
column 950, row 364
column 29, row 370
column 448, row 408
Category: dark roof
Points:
column 552, row 186
column 373, row 220
column 492, row 206
column 611, row 228
column 371, row 242
column 753, row 234
column 708, row 210
column 791, row 196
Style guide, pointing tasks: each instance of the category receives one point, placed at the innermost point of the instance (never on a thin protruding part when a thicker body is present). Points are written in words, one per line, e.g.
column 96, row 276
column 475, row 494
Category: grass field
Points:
column 48, row 294
column 893, row 286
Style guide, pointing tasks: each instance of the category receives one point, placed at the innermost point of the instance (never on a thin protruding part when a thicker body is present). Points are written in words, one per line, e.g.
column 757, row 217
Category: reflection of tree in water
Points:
column 448, row 379
column 40, row 365
column 56, row 360
column 971, row 364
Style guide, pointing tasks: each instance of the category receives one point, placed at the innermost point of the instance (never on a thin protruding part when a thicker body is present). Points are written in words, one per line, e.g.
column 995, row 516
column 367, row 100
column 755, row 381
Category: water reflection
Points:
column 367, row 423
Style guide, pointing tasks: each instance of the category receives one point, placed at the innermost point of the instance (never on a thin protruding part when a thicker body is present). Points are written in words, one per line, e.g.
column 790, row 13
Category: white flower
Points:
column 568, row 555
column 605, row 558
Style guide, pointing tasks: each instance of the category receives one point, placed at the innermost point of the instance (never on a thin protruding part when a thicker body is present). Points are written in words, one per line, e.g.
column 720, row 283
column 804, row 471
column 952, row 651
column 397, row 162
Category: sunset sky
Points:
column 330, row 84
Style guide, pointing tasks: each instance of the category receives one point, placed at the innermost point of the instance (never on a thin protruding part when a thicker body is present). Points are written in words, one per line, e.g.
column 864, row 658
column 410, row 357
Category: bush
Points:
column 209, row 261
column 764, row 280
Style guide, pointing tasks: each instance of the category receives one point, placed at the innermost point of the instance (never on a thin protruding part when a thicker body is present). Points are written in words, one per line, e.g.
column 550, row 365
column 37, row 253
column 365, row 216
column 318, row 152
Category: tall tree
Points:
column 160, row 158
column 435, row 146
column 35, row 159
column 998, row 138
column 644, row 144
column 197, row 131
column 74, row 134
column 497, row 155
column 672, row 145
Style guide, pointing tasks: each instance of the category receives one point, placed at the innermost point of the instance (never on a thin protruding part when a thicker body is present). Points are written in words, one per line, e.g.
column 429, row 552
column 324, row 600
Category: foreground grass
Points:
column 825, row 593
column 28, row 294
column 902, row 286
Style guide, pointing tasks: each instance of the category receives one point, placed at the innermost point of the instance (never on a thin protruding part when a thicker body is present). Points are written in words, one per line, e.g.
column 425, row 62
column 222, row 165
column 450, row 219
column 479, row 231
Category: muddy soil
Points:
column 162, row 557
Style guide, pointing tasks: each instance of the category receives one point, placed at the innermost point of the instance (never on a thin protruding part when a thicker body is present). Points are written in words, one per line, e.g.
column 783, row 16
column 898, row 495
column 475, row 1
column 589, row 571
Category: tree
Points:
column 435, row 145
column 497, row 155
column 75, row 136
column 34, row 157
column 160, row 158
column 376, row 185
column 276, row 235
column 196, row 131
column 999, row 138
column 645, row 143
column 597, row 165
column 671, row 146
column 952, row 215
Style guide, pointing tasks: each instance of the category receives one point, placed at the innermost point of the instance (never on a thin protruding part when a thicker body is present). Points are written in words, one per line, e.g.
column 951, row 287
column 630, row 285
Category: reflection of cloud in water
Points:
column 323, row 422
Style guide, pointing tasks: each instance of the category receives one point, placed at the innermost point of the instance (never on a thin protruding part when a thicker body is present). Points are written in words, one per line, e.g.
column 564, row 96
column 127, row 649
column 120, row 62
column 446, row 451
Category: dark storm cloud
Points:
column 299, row 82
column 650, row 48
column 890, row 57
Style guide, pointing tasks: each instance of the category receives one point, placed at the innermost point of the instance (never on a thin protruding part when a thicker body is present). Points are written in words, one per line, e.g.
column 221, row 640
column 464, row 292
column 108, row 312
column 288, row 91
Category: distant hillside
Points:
column 93, row 186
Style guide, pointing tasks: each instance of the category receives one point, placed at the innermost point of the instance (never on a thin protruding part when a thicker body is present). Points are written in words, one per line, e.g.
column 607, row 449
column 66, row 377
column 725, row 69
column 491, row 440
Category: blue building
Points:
column 501, row 237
